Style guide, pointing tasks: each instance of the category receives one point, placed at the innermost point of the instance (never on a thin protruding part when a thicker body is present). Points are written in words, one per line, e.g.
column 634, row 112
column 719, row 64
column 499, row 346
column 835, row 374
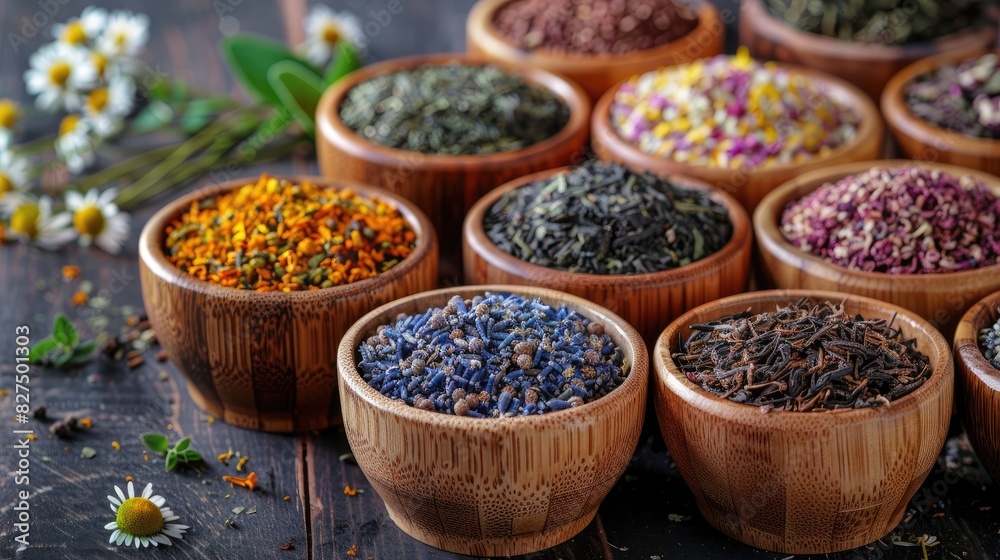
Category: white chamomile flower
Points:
column 75, row 143
column 13, row 174
column 96, row 218
column 10, row 118
column 32, row 221
column 142, row 519
column 81, row 30
column 325, row 28
column 58, row 75
column 107, row 106
column 124, row 35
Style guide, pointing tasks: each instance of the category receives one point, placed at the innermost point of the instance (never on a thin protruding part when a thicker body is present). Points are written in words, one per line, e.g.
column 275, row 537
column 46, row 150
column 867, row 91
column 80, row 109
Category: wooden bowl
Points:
column 939, row 298
column 485, row 486
column 920, row 139
column 596, row 73
column 265, row 360
column 747, row 185
column 979, row 384
column 803, row 482
column 868, row 66
column 444, row 187
column 647, row 301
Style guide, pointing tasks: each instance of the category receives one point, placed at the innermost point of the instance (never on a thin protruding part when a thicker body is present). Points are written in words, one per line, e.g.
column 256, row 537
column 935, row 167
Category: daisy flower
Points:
column 107, row 106
column 325, row 28
column 75, row 144
column 10, row 117
column 13, row 174
column 124, row 35
column 32, row 221
column 142, row 519
column 58, row 74
column 96, row 218
column 81, row 30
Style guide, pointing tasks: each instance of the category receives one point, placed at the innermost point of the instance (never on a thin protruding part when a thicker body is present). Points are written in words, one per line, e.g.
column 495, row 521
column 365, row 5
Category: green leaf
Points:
column 348, row 60
column 83, row 352
column 171, row 460
column 299, row 90
column 62, row 359
column 64, row 333
column 182, row 444
column 202, row 112
column 250, row 58
column 156, row 442
column 190, row 456
column 154, row 116
column 41, row 350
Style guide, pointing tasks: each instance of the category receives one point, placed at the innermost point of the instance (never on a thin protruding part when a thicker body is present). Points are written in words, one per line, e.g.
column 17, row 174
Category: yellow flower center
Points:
column 59, row 73
column 68, row 124
column 120, row 39
column 89, row 220
column 331, row 34
column 74, row 33
column 9, row 114
column 6, row 185
column 100, row 63
column 97, row 99
column 25, row 220
column 139, row 517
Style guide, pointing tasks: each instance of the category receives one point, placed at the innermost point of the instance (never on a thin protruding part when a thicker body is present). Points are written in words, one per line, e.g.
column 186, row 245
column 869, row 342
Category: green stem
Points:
column 38, row 144
column 124, row 168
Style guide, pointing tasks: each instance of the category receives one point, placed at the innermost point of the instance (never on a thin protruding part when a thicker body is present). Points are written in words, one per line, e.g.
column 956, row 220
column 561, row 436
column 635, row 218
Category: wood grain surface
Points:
column 978, row 386
column 803, row 482
column 958, row 503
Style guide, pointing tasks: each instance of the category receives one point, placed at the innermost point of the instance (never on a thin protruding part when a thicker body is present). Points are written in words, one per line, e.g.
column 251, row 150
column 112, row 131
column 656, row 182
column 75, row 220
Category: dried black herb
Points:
column 806, row 356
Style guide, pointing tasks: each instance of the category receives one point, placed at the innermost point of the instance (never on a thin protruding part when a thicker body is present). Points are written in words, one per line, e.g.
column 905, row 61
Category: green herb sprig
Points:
column 181, row 452
column 63, row 348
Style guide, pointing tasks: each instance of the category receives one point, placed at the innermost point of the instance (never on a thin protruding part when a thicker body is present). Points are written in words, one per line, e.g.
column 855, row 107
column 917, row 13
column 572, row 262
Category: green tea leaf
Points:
column 190, row 456
column 40, row 351
column 83, row 352
column 250, row 58
column 182, row 444
column 156, row 442
column 62, row 359
column 348, row 60
column 64, row 333
column 171, row 460
column 299, row 90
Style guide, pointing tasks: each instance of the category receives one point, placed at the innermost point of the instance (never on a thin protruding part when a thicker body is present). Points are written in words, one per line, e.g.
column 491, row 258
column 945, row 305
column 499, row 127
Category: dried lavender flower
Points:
column 962, row 97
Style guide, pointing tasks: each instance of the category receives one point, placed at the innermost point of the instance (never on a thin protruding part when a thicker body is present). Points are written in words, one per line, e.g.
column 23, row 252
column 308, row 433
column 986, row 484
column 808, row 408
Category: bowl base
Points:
column 512, row 545
column 263, row 422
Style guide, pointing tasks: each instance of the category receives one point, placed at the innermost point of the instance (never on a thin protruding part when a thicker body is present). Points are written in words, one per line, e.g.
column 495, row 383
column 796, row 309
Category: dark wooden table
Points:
column 649, row 515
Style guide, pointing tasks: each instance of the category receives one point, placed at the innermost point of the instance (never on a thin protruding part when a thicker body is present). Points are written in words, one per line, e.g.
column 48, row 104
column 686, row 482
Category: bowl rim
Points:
column 901, row 119
column 770, row 239
column 635, row 383
column 966, row 347
column 483, row 14
column 474, row 236
column 333, row 130
column 841, row 91
column 782, row 32
column 669, row 378
column 153, row 257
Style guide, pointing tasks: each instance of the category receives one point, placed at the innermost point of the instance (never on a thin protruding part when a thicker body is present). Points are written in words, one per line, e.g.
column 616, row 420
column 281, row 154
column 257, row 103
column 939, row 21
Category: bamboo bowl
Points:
column 920, row 139
column 747, row 185
column 939, row 298
column 647, row 301
column 595, row 73
column 444, row 187
column 803, row 482
column 492, row 487
column 868, row 66
column 266, row 360
column 979, row 384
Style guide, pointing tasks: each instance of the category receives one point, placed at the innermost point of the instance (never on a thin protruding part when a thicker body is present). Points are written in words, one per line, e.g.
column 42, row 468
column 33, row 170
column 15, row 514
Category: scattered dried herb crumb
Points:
column 87, row 423
column 242, row 462
column 286, row 498
column 230, row 522
column 79, row 298
column 353, row 551
column 249, row 482
column 88, row 453
column 70, row 272
column 116, row 445
column 225, row 457
column 238, row 510
column 40, row 413
column 288, row 546
column 251, row 511
column 348, row 491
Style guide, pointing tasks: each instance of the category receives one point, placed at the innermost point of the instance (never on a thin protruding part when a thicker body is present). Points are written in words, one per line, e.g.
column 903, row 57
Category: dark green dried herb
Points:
column 453, row 109
column 880, row 21
column 602, row 218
